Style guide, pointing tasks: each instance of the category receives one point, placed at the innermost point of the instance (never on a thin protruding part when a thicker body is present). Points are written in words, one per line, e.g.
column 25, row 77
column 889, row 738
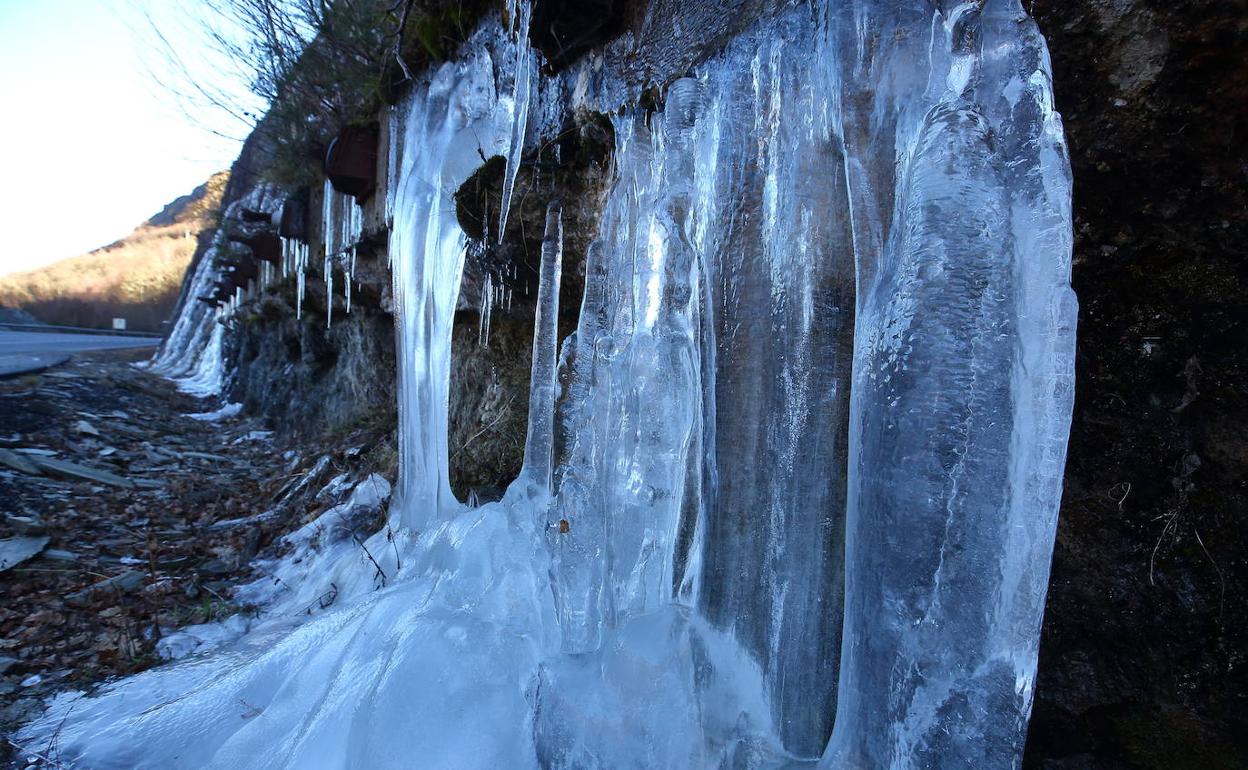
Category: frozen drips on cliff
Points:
column 191, row 354
column 803, row 477
column 342, row 222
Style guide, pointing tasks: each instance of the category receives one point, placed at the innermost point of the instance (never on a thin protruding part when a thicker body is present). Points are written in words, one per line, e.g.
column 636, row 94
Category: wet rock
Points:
column 1142, row 656
column 126, row 582
column 251, row 544
column 25, row 525
column 75, row 471
column 563, row 30
column 15, row 550
column 215, row 567
column 18, row 462
column 205, row 456
column 20, row 711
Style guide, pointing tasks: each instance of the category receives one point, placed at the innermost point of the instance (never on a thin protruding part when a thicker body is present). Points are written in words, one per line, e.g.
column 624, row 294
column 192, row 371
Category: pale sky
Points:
column 90, row 144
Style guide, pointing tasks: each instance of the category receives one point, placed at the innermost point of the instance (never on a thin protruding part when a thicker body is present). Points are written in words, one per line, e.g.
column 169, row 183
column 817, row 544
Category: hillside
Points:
column 136, row 277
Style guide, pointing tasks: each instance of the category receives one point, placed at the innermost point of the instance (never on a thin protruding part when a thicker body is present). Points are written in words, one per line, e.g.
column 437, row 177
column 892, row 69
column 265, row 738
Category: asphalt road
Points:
column 28, row 351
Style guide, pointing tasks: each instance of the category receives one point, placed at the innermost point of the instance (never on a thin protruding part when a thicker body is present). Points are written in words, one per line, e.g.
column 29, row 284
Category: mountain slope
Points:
column 136, row 278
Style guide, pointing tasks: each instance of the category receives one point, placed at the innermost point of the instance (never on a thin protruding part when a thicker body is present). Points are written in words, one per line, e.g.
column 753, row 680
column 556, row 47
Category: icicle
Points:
column 539, row 444
column 705, row 417
column 520, row 13
column 329, row 291
column 347, row 281
column 328, row 220
column 392, row 161
column 301, row 259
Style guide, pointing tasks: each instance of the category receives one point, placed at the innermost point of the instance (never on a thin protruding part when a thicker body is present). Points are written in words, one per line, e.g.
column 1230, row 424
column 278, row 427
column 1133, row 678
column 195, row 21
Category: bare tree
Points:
column 298, row 70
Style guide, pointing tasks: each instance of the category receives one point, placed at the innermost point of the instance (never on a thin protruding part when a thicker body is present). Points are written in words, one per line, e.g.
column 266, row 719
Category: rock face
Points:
column 1141, row 664
column 307, row 377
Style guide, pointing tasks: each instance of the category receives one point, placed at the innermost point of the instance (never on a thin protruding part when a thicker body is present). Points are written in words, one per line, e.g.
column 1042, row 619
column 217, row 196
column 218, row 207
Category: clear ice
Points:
column 795, row 502
column 191, row 354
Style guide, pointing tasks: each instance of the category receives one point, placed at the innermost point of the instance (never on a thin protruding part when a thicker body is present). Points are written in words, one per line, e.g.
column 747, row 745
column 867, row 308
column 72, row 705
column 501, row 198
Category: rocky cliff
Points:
column 1142, row 662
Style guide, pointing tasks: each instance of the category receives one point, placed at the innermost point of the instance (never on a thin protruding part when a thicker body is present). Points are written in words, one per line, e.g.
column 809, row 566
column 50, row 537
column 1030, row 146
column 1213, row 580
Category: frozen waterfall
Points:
column 810, row 443
column 191, row 354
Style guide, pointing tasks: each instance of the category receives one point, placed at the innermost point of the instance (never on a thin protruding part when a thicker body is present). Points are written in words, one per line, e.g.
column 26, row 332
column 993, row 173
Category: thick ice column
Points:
column 780, row 275
column 635, row 396
column 539, row 443
column 876, row 57
column 1016, row 71
column 427, row 248
column 579, row 559
column 960, row 410
column 657, row 375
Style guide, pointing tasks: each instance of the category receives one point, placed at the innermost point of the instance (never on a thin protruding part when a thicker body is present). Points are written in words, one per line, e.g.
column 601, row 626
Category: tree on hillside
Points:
column 307, row 67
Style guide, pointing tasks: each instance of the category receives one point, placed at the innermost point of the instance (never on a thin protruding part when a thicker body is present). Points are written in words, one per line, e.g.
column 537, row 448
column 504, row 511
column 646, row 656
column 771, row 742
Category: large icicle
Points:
column 523, row 70
column 427, row 247
column 781, row 293
column 620, row 511
column 961, row 400
column 539, row 444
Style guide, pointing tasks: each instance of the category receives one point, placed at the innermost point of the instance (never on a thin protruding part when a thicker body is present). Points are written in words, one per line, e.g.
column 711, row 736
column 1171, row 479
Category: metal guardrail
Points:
column 78, row 330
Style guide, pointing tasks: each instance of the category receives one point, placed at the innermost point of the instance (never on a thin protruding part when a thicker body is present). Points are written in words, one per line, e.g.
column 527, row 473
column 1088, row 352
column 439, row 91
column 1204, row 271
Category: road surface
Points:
column 30, row 351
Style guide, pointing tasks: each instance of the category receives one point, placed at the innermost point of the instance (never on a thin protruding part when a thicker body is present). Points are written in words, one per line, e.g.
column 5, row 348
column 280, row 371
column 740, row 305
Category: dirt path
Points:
column 139, row 516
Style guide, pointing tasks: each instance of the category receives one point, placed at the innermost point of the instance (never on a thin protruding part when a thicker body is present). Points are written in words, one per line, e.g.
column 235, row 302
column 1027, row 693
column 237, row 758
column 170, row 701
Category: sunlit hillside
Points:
column 136, row 278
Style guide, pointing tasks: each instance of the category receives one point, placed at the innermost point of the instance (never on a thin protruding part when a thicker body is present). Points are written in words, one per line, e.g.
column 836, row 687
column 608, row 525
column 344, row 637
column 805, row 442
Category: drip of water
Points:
column 349, row 279
column 299, row 264
column 327, row 268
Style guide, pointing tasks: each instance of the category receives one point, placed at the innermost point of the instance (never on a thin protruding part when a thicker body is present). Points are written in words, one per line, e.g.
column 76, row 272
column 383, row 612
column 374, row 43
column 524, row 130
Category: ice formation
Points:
column 812, row 439
column 191, row 354
column 343, row 223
